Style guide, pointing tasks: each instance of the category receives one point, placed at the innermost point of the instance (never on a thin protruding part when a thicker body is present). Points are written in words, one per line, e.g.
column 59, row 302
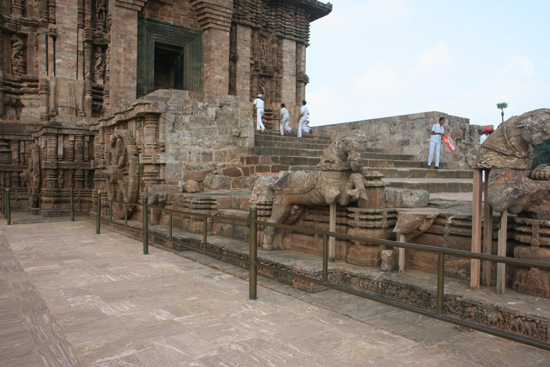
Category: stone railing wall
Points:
column 410, row 134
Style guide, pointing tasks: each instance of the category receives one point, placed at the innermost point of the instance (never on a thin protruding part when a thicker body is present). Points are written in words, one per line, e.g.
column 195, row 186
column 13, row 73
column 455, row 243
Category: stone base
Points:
column 535, row 282
column 365, row 255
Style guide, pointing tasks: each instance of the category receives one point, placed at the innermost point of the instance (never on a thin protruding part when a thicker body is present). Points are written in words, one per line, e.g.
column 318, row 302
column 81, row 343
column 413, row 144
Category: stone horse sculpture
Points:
column 509, row 155
column 336, row 180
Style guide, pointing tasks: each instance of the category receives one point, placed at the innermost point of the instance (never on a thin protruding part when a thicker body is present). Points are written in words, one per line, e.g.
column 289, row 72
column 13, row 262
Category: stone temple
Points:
column 134, row 97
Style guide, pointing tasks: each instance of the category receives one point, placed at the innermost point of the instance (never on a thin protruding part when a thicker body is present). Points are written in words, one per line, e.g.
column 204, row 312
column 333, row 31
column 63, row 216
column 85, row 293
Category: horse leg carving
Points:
column 279, row 213
column 355, row 188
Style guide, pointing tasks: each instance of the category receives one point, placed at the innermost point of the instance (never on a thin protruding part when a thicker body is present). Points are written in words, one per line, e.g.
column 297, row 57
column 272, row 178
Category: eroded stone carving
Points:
column 508, row 153
column 122, row 172
column 17, row 56
column 336, row 181
column 32, row 176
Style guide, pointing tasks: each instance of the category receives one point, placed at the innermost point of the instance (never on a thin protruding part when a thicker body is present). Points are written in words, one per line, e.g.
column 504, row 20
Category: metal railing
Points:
column 254, row 263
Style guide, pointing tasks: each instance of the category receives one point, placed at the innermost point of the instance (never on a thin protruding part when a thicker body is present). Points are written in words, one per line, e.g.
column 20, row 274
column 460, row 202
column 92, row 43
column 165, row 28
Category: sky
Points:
column 377, row 58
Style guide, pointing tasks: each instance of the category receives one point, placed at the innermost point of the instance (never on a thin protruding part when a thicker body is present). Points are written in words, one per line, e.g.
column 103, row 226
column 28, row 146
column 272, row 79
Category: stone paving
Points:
column 69, row 297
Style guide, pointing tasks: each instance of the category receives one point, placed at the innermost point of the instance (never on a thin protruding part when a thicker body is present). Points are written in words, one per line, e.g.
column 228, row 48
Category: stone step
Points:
column 390, row 172
column 369, row 154
column 432, row 185
column 303, row 152
column 272, row 135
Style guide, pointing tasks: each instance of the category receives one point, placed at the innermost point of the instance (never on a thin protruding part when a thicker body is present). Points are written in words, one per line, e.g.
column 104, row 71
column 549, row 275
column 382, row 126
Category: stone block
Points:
column 192, row 186
column 365, row 255
column 215, row 182
column 407, row 198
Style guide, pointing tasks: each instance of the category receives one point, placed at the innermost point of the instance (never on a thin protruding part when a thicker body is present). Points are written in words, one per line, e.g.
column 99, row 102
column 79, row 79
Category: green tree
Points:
column 542, row 154
column 502, row 106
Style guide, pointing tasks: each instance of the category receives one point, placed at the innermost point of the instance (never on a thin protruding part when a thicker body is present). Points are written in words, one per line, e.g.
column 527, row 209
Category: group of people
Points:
column 437, row 134
column 285, row 117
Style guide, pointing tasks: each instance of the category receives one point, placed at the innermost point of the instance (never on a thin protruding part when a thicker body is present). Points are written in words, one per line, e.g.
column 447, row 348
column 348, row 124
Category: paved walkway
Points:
column 69, row 297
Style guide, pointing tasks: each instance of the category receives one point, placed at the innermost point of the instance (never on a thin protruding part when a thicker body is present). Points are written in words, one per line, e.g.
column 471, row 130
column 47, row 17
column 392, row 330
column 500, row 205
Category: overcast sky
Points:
column 378, row 58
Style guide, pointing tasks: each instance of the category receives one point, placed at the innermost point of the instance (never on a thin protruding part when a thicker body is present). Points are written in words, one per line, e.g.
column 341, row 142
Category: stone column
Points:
column 288, row 89
column 244, row 46
column 148, row 157
column 123, row 49
column 214, row 17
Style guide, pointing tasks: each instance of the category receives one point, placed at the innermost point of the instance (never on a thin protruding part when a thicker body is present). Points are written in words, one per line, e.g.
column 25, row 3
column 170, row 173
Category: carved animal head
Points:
column 535, row 126
column 345, row 152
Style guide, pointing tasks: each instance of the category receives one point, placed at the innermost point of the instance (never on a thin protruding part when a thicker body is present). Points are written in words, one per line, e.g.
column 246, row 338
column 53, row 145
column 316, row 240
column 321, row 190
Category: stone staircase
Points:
column 402, row 171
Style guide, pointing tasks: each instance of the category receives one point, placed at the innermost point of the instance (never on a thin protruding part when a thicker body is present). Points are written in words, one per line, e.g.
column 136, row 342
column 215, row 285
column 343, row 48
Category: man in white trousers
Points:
column 435, row 142
column 304, row 116
column 285, row 118
column 259, row 103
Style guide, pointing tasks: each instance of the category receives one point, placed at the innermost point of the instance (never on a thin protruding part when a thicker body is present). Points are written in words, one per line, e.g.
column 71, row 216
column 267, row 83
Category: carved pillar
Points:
column 71, row 146
column 214, row 17
column 50, row 164
column 86, row 149
column 80, row 41
column 288, row 88
column 301, row 75
column 18, row 62
column 44, row 93
column 78, row 148
column 43, row 12
column 148, row 157
column 88, row 59
column 124, row 51
column 1, row 91
column 17, row 7
column 150, row 131
column 15, row 178
column 244, row 46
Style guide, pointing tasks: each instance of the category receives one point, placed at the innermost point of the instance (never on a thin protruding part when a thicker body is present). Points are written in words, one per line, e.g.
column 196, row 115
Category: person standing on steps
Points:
column 285, row 118
column 435, row 142
column 488, row 130
column 304, row 116
column 259, row 103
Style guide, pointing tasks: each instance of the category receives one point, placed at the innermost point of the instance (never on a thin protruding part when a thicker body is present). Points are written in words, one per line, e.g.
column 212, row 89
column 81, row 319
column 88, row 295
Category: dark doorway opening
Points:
column 168, row 67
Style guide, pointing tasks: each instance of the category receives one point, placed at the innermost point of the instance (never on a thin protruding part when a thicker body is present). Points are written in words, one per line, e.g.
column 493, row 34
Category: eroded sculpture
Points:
column 336, row 181
column 509, row 155
column 32, row 176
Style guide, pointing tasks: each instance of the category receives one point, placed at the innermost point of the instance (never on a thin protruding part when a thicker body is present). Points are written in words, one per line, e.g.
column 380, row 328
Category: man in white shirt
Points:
column 488, row 130
column 304, row 116
column 259, row 103
column 285, row 117
column 435, row 142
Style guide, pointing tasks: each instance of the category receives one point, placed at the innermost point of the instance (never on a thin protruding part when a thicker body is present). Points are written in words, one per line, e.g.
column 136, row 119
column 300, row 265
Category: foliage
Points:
column 542, row 154
column 502, row 105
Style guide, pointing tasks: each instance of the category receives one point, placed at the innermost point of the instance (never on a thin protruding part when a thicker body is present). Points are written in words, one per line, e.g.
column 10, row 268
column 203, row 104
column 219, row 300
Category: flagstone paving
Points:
column 69, row 297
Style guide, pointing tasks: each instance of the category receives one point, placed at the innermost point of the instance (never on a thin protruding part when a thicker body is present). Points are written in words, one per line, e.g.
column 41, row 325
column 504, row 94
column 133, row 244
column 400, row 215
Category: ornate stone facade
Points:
column 69, row 64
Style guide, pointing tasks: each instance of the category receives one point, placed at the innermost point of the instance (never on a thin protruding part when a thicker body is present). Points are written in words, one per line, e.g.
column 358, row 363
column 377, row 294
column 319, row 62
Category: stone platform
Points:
column 73, row 298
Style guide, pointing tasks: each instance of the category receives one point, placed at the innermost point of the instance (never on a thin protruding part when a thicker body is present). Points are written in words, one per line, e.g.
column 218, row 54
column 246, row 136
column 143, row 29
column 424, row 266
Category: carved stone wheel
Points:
column 122, row 172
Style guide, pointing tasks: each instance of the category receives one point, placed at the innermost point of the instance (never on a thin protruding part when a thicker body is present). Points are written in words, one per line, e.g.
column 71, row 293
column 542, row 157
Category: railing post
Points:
column 125, row 214
column 98, row 212
column 204, row 230
column 253, row 256
column 72, row 204
column 110, row 212
column 145, row 226
column 170, row 226
column 8, row 211
column 325, row 258
column 440, row 281
column 3, row 200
